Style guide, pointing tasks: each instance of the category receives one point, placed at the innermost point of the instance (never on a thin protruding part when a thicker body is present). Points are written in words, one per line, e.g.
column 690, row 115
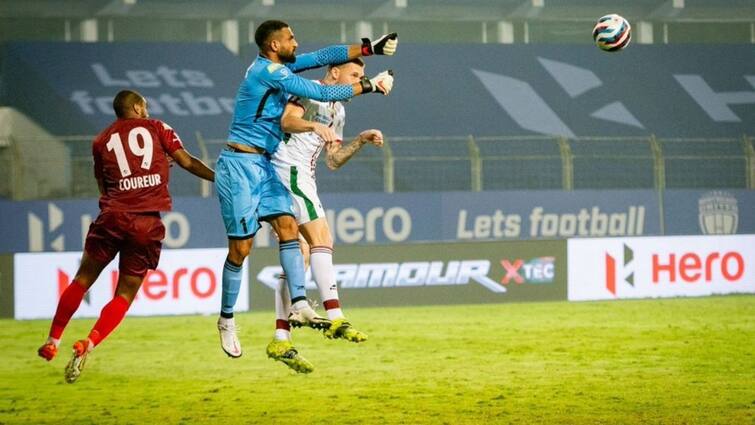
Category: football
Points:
column 612, row 33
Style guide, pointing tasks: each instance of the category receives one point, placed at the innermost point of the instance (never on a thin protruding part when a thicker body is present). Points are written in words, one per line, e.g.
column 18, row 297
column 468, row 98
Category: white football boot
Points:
column 229, row 341
column 302, row 314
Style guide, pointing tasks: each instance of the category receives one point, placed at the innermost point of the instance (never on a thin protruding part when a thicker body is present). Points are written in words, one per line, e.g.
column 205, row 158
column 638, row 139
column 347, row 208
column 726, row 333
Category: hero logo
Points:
column 671, row 268
column 691, row 268
column 37, row 230
column 611, row 271
column 177, row 230
column 388, row 275
column 536, row 270
column 202, row 283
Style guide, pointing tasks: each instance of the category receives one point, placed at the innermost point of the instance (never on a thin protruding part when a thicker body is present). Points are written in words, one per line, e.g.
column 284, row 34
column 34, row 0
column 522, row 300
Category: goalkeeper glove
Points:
column 381, row 83
column 385, row 45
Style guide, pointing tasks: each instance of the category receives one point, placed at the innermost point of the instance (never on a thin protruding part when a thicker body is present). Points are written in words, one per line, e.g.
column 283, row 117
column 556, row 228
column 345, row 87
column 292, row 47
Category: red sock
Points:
column 110, row 317
column 69, row 302
column 331, row 304
column 282, row 324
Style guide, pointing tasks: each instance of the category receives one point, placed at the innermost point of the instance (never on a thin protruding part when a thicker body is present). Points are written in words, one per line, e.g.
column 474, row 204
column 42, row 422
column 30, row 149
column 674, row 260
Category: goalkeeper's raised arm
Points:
column 333, row 55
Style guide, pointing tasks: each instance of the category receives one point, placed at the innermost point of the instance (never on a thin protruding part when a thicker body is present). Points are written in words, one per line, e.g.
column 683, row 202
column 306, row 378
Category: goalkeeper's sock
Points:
column 67, row 306
column 231, row 286
column 293, row 265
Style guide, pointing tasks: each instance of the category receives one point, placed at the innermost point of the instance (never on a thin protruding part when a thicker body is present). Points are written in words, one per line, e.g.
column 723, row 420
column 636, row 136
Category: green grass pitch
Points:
column 677, row 361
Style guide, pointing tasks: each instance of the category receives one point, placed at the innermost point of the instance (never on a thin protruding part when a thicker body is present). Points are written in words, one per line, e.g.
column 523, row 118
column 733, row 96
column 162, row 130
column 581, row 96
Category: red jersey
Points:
column 131, row 163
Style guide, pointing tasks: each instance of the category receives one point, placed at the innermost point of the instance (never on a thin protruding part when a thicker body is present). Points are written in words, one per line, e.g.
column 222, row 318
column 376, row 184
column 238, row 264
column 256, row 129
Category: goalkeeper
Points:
column 249, row 189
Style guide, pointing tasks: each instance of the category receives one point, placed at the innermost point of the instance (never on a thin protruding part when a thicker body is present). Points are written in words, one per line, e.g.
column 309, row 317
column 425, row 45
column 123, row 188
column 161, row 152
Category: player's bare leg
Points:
column 238, row 250
column 317, row 233
column 110, row 317
column 292, row 262
column 69, row 302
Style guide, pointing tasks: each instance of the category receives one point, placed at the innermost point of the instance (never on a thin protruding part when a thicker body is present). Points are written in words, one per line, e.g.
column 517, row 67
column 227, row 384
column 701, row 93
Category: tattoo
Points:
column 342, row 155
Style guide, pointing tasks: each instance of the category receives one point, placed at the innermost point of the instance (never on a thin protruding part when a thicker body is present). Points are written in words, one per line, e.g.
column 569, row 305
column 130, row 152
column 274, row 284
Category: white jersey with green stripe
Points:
column 302, row 149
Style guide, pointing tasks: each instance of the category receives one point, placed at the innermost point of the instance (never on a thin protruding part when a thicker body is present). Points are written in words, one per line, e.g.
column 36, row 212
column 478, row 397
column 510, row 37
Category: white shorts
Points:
column 303, row 190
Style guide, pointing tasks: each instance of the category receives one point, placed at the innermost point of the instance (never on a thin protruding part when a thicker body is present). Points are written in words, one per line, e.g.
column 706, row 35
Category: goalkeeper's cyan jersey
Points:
column 302, row 149
column 266, row 87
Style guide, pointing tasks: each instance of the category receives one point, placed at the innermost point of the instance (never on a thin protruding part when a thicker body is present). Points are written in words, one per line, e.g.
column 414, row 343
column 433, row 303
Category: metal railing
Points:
column 406, row 164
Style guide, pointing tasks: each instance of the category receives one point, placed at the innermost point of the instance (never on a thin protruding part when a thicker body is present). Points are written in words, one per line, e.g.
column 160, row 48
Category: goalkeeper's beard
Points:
column 288, row 58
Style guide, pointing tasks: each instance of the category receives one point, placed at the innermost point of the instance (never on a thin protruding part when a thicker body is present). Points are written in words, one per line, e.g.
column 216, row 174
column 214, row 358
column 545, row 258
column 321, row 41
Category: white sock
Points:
column 54, row 341
column 282, row 308
column 334, row 313
column 283, row 300
column 323, row 272
column 282, row 335
column 321, row 262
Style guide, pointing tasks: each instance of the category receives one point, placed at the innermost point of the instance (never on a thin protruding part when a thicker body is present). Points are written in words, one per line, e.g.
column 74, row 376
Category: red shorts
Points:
column 137, row 236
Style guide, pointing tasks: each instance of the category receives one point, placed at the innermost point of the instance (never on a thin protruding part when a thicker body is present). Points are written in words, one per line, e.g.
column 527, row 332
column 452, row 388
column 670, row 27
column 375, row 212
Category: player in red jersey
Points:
column 132, row 169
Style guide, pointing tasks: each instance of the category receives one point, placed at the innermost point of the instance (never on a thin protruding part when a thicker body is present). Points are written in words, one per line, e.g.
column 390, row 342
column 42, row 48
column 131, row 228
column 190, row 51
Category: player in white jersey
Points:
column 316, row 126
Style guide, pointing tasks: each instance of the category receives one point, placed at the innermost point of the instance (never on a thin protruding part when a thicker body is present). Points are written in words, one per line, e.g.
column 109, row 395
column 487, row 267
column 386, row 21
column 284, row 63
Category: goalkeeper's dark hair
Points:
column 124, row 101
column 355, row 61
column 265, row 31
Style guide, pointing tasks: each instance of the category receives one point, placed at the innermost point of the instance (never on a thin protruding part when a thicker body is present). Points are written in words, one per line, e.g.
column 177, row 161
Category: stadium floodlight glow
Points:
column 129, row 2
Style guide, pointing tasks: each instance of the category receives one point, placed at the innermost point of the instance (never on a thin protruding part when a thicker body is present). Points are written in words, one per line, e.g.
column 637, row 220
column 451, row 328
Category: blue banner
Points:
column 380, row 218
column 371, row 218
column 549, row 214
column 69, row 87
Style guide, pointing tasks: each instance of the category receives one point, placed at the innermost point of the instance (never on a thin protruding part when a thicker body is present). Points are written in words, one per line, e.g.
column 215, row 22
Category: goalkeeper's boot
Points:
column 229, row 341
column 48, row 351
column 79, row 358
column 341, row 328
column 306, row 316
column 284, row 351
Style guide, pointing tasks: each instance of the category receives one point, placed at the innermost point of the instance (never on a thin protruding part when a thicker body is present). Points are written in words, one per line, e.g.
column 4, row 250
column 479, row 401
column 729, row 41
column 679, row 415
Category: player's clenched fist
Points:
column 381, row 83
column 372, row 136
column 385, row 45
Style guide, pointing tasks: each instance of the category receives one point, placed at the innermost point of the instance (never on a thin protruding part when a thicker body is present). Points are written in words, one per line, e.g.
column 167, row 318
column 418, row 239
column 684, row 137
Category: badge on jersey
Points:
column 274, row 67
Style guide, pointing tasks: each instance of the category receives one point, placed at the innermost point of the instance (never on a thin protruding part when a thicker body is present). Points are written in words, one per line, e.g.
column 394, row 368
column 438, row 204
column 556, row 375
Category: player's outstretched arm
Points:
column 338, row 155
column 280, row 77
column 333, row 55
column 193, row 164
column 292, row 121
column 295, row 85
